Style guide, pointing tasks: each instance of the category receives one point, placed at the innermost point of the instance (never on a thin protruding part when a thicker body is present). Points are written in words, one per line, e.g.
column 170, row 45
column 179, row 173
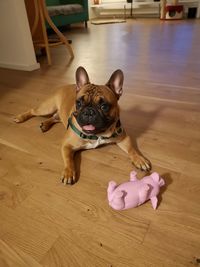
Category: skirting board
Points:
column 35, row 66
column 107, row 21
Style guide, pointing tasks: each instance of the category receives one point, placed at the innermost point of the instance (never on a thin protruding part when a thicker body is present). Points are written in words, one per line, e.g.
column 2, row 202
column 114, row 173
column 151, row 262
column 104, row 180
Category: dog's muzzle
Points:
column 89, row 115
column 92, row 120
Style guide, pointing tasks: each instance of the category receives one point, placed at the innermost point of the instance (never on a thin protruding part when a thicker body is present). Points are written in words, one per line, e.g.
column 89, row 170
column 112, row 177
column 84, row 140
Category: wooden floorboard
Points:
column 45, row 224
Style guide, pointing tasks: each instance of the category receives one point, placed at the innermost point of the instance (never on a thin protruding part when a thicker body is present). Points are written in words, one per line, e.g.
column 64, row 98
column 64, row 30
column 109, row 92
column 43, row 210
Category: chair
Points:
column 38, row 18
column 65, row 12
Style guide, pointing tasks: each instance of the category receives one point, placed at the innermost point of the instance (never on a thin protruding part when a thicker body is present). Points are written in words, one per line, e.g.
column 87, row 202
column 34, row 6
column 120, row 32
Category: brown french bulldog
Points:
column 91, row 115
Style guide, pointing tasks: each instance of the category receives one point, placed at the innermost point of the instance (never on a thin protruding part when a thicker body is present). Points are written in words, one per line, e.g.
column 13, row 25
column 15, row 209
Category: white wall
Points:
column 91, row 11
column 16, row 47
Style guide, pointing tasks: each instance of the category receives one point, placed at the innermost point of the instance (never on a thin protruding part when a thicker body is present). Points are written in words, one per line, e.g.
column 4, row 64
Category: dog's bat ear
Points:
column 116, row 82
column 82, row 78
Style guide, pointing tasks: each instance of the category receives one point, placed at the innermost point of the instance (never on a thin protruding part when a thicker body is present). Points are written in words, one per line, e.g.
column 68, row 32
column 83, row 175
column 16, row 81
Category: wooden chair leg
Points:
column 60, row 35
column 46, row 42
column 36, row 18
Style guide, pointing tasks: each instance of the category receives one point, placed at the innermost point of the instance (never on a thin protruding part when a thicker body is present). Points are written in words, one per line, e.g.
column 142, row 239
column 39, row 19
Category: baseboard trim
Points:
column 20, row 66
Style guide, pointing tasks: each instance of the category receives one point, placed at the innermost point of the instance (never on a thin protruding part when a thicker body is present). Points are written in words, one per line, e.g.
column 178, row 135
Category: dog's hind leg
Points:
column 46, row 108
column 47, row 124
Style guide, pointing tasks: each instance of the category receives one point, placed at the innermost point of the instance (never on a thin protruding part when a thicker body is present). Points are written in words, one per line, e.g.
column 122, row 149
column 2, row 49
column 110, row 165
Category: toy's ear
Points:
column 161, row 182
column 155, row 177
column 111, row 186
column 154, row 202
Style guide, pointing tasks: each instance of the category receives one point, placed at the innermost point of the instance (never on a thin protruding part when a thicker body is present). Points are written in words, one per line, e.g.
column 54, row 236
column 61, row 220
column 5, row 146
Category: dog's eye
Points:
column 105, row 107
column 78, row 104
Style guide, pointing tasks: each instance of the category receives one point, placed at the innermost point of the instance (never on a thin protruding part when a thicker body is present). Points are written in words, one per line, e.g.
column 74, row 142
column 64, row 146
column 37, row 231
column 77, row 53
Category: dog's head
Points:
column 97, row 105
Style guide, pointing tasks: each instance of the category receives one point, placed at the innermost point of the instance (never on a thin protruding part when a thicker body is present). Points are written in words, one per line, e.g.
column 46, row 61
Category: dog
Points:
column 91, row 116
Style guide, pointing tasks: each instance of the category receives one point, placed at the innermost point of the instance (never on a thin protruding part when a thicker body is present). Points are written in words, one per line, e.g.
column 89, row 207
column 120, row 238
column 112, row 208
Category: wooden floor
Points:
column 43, row 223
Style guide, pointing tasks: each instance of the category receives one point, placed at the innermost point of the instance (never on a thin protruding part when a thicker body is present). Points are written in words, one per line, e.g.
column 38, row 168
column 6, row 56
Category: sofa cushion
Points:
column 65, row 9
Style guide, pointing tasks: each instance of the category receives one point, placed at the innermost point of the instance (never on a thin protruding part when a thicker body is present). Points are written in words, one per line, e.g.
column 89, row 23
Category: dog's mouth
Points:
column 89, row 129
column 95, row 124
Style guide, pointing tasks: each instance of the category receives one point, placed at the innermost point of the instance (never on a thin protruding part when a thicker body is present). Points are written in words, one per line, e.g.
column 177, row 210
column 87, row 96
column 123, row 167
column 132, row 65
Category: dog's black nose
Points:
column 89, row 112
column 89, row 115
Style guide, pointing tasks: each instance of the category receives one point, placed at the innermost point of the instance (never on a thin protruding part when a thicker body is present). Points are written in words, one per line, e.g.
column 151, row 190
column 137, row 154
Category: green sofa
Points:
column 65, row 12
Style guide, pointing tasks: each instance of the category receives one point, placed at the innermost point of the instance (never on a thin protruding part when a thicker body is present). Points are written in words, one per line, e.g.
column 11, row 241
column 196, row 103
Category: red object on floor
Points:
column 173, row 12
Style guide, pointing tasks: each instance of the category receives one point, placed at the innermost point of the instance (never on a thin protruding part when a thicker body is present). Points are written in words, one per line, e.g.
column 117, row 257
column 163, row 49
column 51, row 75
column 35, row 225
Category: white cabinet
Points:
column 147, row 7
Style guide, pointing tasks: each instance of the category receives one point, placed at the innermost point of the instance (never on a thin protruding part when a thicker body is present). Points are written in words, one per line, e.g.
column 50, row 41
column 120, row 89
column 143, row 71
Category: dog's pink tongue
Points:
column 89, row 127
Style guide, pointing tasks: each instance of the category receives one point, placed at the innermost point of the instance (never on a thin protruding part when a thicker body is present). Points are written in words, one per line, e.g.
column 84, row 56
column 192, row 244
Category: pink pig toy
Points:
column 135, row 192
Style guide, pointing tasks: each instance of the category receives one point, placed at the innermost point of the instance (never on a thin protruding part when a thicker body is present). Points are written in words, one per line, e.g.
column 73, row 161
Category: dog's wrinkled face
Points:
column 97, row 105
column 96, row 108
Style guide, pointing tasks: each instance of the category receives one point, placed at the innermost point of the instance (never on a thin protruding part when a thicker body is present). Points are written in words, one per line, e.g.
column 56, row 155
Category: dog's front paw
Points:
column 44, row 126
column 23, row 117
column 142, row 163
column 68, row 177
column 18, row 119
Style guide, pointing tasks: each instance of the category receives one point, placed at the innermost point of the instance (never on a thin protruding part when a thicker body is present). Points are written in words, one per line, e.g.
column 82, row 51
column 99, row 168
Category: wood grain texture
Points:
column 43, row 223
